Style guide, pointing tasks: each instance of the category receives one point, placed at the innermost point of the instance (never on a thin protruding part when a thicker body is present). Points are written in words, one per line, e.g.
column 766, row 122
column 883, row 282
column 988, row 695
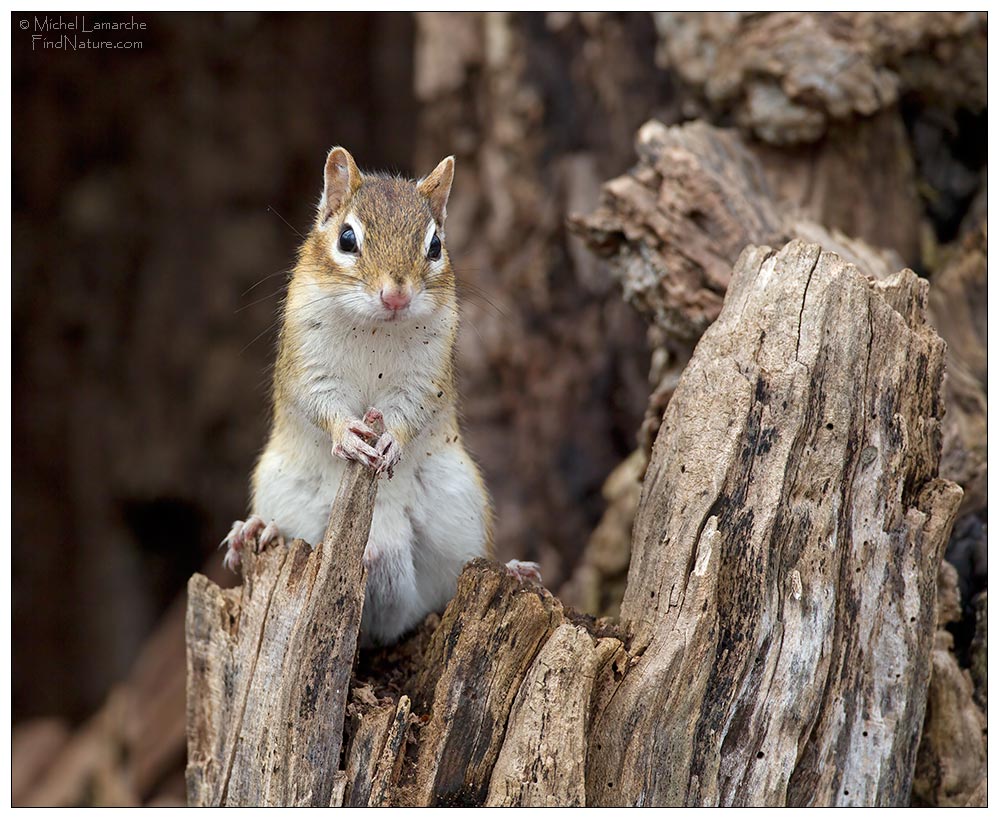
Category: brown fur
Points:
column 395, row 213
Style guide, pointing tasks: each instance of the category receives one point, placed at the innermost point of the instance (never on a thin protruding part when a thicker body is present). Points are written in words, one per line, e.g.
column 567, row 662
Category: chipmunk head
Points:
column 378, row 241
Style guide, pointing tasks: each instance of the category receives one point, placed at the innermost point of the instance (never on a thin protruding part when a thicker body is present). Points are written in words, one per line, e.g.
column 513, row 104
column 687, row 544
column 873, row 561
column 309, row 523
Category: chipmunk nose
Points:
column 395, row 298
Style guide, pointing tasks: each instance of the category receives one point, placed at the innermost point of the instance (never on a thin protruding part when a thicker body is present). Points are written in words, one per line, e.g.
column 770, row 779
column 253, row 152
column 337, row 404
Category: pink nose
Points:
column 395, row 299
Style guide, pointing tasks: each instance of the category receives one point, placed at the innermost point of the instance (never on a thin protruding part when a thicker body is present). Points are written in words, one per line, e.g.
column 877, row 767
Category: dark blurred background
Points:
column 146, row 186
column 151, row 189
column 158, row 193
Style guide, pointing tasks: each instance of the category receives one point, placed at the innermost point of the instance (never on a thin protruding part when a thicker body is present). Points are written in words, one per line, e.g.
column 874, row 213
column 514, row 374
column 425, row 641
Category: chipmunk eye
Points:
column 348, row 242
column 434, row 251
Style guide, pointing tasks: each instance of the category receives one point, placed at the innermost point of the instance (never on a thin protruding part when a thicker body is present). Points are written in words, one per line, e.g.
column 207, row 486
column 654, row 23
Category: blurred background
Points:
column 158, row 193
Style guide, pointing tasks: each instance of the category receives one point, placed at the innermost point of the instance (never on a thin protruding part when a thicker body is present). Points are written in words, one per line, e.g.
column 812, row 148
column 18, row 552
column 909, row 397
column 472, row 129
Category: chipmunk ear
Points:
column 340, row 180
column 436, row 186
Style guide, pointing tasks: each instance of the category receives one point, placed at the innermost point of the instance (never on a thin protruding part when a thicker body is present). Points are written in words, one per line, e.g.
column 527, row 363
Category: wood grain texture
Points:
column 542, row 761
column 269, row 665
column 671, row 228
column 476, row 661
column 673, row 225
column 781, row 595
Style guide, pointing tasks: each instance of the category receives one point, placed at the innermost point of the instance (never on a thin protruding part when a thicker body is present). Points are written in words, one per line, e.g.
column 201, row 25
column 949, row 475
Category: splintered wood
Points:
column 783, row 575
column 776, row 632
column 269, row 665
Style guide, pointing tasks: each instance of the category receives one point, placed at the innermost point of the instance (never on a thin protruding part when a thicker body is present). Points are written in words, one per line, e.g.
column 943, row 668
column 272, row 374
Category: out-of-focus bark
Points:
column 959, row 310
column 786, row 77
column 951, row 766
column 829, row 90
column 538, row 109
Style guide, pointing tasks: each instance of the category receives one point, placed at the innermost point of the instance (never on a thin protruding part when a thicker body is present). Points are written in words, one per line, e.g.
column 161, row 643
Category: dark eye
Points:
column 348, row 242
column 434, row 251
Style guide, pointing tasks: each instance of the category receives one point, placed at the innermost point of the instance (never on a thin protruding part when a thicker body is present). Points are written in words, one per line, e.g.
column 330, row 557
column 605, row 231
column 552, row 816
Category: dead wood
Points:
column 671, row 229
column 597, row 583
column 33, row 746
column 477, row 659
column 858, row 172
column 269, row 665
column 951, row 766
column 980, row 650
column 542, row 760
column 778, row 620
column 673, row 226
column 958, row 309
column 666, row 228
column 786, row 77
column 820, row 96
column 781, row 594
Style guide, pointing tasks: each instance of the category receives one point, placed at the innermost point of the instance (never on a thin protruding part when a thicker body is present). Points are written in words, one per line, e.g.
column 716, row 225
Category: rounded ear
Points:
column 341, row 179
column 436, row 186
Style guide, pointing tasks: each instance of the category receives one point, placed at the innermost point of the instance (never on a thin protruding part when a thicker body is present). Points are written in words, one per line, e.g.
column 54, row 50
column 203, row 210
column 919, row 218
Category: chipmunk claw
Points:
column 525, row 571
column 355, row 446
column 252, row 532
column 361, row 442
column 390, row 453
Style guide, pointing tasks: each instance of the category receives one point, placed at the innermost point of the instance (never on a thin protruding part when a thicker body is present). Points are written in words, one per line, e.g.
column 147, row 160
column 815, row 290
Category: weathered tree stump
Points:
column 672, row 228
column 269, row 665
column 776, row 631
column 782, row 584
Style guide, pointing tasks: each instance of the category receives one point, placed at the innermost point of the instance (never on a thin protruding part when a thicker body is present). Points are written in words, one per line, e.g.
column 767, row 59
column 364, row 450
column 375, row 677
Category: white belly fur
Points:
column 430, row 519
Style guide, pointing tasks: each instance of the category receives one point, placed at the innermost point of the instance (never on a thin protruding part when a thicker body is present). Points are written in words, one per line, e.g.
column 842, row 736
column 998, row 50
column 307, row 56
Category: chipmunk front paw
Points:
column 252, row 532
column 389, row 451
column 525, row 571
column 361, row 442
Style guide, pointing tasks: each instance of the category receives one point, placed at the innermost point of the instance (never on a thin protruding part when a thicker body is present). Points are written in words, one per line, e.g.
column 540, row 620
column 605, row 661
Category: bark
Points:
column 787, row 76
column 951, row 766
column 958, row 305
column 269, row 665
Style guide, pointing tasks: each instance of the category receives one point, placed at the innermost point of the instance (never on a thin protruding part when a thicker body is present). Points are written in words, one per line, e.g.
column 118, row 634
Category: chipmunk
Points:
column 370, row 322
